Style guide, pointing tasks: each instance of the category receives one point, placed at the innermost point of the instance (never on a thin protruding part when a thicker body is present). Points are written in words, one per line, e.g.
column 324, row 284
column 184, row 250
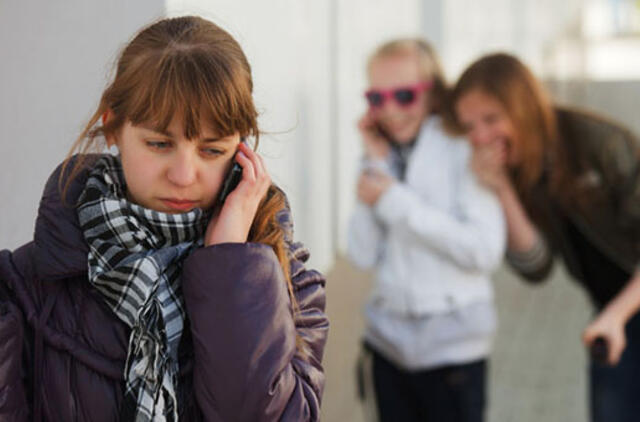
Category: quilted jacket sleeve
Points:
column 247, row 366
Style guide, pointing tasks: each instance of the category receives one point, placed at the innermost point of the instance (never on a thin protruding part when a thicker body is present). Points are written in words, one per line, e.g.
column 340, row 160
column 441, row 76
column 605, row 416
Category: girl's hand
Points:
column 611, row 328
column 233, row 221
column 372, row 184
column 488, row 162
column 375, row 145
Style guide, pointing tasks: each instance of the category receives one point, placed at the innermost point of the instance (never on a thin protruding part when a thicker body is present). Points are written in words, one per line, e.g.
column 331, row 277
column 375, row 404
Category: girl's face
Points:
column 166, row 172
column 486, row 121
column 401, row 122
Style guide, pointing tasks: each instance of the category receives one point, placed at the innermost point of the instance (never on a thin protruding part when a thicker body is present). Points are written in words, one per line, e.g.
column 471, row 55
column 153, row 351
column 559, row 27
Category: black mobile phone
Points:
column 230, row 181
column 599, row 351
column 383, row 133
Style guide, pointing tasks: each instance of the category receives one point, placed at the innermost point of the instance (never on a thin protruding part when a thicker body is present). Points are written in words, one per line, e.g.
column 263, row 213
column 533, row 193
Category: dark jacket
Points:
column 62, row 350
column 607, row 158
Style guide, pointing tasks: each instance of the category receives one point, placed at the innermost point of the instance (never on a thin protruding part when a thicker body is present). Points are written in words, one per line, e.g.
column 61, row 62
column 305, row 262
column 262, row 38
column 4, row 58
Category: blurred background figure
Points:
column 433, row 236
column 568, row 182
column 307, row 58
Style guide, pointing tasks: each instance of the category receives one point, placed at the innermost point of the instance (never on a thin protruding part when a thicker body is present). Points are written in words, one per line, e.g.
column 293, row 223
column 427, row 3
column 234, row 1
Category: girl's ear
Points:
column 107, row 116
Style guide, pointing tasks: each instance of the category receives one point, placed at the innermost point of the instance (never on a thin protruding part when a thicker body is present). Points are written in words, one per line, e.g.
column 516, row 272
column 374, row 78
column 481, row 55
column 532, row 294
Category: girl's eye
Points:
column 159, row 145
column 212, row 152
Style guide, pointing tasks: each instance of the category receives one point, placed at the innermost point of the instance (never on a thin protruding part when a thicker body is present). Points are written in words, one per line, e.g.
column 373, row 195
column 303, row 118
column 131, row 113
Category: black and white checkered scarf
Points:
column 135, row 259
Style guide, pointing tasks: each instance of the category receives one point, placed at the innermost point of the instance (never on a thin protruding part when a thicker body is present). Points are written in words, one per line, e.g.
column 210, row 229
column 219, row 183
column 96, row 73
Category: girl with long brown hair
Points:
column 568, row 184
column 154, row 289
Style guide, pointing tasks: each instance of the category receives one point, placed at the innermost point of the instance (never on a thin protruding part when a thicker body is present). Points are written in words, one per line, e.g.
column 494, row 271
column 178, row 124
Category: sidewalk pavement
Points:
column 538, row 369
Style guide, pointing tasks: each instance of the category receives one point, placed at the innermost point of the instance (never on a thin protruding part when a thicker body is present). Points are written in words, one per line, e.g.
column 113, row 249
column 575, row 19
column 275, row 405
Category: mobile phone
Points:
column 383, row 133
column 599, row 351
column 231, row 180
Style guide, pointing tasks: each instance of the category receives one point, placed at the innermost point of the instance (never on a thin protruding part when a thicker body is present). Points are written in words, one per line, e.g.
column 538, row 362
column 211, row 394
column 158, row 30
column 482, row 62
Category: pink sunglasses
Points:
column 403, row 96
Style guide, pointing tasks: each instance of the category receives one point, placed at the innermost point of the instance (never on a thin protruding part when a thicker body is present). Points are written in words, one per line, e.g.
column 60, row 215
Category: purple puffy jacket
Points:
column 62, row 350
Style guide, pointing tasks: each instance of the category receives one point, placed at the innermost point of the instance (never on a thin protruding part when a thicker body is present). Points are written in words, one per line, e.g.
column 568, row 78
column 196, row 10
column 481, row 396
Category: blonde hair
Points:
column 428, row 65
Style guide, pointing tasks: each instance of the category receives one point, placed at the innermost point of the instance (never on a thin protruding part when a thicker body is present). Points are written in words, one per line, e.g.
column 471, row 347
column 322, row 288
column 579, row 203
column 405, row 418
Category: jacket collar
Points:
column 60, row 248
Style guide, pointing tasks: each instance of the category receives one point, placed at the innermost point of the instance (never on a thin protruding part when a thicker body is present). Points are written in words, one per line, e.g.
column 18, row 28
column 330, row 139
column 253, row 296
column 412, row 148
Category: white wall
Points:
column 55, row 59
column 527, row 28
column 308, row 63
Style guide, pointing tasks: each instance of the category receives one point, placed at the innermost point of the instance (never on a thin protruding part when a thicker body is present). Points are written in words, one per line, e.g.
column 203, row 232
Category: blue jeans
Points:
column 615, row 391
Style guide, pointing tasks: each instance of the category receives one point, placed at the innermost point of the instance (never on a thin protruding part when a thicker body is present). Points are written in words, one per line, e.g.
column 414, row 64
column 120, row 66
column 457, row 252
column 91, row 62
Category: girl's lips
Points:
column 179, row 204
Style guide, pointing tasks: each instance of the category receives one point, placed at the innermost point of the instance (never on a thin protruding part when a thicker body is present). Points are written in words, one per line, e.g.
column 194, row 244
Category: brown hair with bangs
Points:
column 190, row 68
column 529, row 108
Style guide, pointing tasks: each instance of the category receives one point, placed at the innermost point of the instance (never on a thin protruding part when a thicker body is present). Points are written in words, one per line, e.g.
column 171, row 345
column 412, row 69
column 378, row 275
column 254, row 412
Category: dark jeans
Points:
column 447, row 394
column 615, row 391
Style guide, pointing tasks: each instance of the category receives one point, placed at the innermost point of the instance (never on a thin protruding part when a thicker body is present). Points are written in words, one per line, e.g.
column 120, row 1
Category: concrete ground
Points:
column 538, row 369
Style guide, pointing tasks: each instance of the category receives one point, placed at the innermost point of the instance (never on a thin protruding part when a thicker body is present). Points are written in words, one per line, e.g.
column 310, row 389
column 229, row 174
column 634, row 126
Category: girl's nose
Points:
column 389, row 106
column 182, row 169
